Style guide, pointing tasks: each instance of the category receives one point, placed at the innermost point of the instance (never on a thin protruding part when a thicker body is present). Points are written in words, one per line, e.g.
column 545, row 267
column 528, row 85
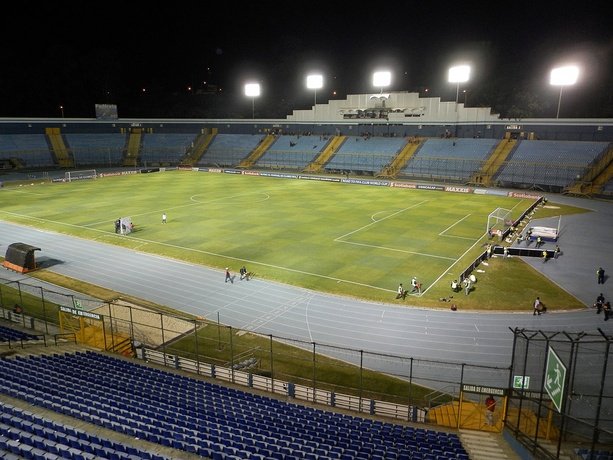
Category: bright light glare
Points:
column 315, row 81
column 381, row 79
column 252, row 89
column 459, row 74
column 563, row 76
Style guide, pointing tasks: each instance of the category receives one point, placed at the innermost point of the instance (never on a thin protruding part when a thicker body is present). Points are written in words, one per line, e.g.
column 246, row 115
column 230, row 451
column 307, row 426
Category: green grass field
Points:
column 342, row 238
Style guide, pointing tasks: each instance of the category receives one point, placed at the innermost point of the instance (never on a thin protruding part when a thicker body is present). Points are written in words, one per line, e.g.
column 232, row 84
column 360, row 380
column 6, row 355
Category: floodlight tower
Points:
column 252, row 90
column 381, row 79
column 458, row 74
column 315, row 82
column 563, row 76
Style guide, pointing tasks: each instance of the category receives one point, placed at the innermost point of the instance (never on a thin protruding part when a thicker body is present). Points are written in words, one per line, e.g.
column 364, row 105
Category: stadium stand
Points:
column 587, row 454
column 8, row 334
column 365, row 153
column 292, row 152
column 230, row 149
column 96, row 149
column 448, row 159
column 165, row 148
column 199, row 417
column 532, row 162
column 31, row 149
column 39, row 438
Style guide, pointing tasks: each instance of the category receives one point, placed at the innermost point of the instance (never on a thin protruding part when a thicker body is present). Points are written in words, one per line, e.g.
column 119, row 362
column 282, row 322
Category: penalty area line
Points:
column 452, row 265
column 397, row 250
column 380, row 220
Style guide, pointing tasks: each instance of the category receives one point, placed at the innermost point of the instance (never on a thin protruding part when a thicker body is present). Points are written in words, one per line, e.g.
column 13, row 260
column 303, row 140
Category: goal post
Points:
column 69, row 176
column 499, row 221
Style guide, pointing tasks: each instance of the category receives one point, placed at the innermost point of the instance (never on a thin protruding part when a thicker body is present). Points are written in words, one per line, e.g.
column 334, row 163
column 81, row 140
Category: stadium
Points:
column 122, row 340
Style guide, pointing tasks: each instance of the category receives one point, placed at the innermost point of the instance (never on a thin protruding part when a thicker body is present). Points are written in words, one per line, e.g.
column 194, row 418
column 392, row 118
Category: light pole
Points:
column 458, row 74
column 252, row 90
column 62, row 110
column 381, row 79
column 563, row 76
column 315, row 82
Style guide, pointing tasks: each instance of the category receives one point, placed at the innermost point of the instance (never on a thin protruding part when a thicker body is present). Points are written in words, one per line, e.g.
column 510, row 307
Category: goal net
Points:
column 499, row 221
column 69, row 176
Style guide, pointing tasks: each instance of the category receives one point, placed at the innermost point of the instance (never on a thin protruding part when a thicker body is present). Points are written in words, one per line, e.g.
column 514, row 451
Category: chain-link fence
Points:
column 561, row 390
column 332, row 369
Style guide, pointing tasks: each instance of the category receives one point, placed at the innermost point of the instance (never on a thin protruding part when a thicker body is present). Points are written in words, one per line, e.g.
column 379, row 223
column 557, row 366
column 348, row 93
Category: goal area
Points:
column 499, row 221
column 69, row 176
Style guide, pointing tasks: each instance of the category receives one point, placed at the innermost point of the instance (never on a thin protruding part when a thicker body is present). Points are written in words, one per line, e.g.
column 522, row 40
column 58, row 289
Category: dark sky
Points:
column 78, row 54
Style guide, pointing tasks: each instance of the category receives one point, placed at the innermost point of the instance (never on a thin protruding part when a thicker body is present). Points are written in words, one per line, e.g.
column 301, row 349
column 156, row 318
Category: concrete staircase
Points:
column 486, row 446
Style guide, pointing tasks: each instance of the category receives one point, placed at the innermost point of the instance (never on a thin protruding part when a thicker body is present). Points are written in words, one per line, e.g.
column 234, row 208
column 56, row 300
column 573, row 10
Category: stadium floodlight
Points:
column 563, row 76
column 458, row 74
column 315, row 82
column 381, row 79
column 252, row 90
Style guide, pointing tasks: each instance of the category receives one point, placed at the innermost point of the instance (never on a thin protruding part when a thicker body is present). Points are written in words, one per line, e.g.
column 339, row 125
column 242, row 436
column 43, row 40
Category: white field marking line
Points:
column 374, row 216
column 4, row 189
column 306, row 318
column 176, row 246
column 193, row 203
column 257, row 323
column 377, row 221
column 453, row 225
column 458, row 237
column 397, row 250
column 338, row 239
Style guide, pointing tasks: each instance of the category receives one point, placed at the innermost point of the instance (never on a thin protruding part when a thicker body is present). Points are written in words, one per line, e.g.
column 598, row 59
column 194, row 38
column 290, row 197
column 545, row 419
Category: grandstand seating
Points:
column 96, row 149
column 587, row 454
column 165, row 148
column 292, row 152
column 32, row 436
column 531, row 162
column 204, row 418
column 31, row 149
column 448, row 159
column 366, row 153
column 230, row 149
column 9, row 334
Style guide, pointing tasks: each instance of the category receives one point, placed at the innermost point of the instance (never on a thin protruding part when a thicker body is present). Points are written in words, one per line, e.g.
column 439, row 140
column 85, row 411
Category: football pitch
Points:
column 342, row 238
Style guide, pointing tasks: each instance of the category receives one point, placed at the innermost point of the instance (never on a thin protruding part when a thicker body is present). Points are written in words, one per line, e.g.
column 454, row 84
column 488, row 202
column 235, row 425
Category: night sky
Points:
column 192, row 60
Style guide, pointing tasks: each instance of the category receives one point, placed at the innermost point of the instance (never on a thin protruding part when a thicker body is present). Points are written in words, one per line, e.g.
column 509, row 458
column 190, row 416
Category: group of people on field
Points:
column 415, row 288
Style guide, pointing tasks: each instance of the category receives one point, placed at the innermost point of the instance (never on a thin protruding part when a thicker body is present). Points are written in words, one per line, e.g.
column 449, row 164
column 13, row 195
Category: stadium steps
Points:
column 58, row 148
column 595, row 178
column 528, row 422
column 257, row 153
column 485, row 176
column 335, row 143
column 200, row 146
column 445, row 415
column 485, row 446
column 470, row 416
column 131, row 154
column 401, row 159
